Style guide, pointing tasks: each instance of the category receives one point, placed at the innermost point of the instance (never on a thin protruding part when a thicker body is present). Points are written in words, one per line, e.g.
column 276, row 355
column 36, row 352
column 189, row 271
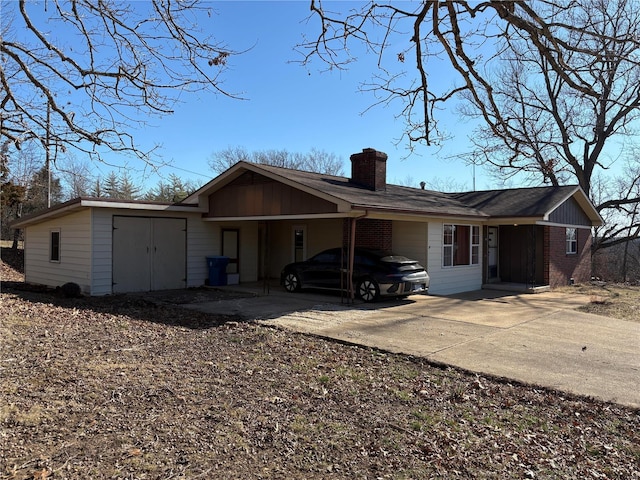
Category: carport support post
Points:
column 352, row 248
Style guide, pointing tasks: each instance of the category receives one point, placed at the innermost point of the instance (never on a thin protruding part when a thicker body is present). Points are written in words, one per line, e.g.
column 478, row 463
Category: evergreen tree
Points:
column 11, row 195
column 128, row 189
column 37, row 195
column 111, row 186
column 175, row 190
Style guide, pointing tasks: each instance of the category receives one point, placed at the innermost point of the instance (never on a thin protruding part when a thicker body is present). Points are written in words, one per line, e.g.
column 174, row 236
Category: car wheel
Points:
column 291, row 282
column 367, row 290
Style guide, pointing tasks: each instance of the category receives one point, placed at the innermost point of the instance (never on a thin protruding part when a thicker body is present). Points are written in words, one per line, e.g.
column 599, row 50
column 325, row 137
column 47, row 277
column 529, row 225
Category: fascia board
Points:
column 82, row 203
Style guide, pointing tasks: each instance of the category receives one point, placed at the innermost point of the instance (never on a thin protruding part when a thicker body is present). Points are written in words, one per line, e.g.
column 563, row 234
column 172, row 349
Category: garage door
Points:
column 148, row 253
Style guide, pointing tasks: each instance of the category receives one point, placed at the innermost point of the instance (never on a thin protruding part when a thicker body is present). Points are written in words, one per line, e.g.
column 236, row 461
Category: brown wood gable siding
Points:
column 252, row 194
column 570, row 213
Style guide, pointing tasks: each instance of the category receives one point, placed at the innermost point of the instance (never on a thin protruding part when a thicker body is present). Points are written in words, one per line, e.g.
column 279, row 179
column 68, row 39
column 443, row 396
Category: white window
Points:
column 54, row 246
column 475, row 245
column 461, row 245
column 299, row 243
column 572, row 241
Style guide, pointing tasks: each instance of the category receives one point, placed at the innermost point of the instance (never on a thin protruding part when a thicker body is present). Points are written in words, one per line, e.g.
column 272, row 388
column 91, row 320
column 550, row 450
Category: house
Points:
column 262, row 217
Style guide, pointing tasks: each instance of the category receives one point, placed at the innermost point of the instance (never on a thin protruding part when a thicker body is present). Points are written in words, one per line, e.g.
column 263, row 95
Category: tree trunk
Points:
column 16, row 238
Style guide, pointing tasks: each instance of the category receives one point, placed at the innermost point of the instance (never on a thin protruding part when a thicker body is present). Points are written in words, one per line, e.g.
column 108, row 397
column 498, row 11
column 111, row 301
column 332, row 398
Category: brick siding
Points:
column 375, row 234
column 560, row 267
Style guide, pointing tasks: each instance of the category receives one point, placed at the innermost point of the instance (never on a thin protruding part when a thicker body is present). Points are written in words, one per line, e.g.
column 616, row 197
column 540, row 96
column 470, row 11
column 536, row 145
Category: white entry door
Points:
column 148, row 254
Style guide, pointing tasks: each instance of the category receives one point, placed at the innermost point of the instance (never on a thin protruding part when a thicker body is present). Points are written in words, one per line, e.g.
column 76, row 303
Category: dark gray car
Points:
column 375, row 273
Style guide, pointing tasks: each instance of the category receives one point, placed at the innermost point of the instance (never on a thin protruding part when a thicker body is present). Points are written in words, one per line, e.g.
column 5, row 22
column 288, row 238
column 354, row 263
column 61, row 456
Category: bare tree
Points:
column 315, row 161
column 79, row 74
column 76, row 176
column 18, row 170
column 622, row 221
column 554, row 83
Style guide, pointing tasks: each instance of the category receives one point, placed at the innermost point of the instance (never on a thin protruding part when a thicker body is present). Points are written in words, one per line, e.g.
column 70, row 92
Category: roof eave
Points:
column 81, row 203
column 378, row 211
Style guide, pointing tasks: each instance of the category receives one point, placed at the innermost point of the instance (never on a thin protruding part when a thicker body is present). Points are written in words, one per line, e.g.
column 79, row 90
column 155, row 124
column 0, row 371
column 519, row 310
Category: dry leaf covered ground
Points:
column 121, row 387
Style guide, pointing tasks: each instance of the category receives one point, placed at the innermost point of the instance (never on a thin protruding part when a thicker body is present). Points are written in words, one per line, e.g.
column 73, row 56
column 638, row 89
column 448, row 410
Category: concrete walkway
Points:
column 538, row 339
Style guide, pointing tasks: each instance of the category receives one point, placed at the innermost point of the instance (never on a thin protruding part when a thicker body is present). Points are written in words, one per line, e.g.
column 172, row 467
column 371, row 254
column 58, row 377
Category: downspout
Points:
column 352, row 247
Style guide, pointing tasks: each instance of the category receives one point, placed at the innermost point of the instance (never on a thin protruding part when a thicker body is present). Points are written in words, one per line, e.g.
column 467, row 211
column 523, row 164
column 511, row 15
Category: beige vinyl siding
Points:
column 102, row 234
column 410, row 239
column 249, row 252
column 75, row 252
column 449, row 280
column 280, row 246
column 322, row 234
column 203, row 240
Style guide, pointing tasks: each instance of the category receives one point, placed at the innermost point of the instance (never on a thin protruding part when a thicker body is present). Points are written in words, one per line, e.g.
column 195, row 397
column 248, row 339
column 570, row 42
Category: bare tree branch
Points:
column 100, row 68
column 553, row 84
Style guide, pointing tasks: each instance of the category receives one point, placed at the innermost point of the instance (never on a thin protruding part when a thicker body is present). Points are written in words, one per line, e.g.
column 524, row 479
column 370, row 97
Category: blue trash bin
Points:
column 217, row 265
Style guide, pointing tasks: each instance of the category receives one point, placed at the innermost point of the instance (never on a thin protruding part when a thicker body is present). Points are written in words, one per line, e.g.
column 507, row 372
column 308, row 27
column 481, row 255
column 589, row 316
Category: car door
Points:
column 323, row 270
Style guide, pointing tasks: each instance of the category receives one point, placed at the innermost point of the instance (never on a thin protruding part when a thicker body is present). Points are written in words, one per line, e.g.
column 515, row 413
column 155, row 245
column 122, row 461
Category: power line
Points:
column 187, row 171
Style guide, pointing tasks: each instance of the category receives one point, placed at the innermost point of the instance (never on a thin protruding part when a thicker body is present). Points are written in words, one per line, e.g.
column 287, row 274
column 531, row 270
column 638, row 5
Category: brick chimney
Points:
column 369, row 169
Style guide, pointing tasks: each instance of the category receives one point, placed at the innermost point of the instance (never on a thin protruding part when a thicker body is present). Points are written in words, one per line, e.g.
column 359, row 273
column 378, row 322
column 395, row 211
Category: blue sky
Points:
column 288, row 106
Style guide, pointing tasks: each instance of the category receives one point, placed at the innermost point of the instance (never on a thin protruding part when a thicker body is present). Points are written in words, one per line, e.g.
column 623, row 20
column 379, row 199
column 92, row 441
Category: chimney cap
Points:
column 368, row 151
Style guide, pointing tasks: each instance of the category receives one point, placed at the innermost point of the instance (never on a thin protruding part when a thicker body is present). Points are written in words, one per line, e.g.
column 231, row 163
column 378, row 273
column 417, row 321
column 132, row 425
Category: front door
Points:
column 492, row 254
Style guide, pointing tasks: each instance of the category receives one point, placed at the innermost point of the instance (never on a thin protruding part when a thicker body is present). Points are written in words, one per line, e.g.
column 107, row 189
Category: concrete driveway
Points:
column 534, row 338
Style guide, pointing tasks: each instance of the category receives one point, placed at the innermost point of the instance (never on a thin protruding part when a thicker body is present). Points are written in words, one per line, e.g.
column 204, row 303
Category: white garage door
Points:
column 148, row 253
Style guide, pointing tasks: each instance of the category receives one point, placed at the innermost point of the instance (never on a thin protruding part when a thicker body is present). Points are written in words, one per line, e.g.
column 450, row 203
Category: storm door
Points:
column 231, row 249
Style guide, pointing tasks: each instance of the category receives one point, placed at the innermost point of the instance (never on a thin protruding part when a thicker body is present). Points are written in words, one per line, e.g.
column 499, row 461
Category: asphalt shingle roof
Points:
column 395, row 197
column 516, row 202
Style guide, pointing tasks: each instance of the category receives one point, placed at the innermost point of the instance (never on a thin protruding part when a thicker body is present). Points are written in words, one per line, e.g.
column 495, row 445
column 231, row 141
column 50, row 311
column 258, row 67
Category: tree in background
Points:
column 76, row 176
column 27, row 186
column 315, row 161
column 554, row 85
column 76, row 73
column 118, row 186
column 11, row 195
column 128, row 188
column 173, row 190
column 41, row 191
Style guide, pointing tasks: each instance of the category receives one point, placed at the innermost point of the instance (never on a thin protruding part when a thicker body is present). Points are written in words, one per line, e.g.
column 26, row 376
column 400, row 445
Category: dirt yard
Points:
column 124, row 387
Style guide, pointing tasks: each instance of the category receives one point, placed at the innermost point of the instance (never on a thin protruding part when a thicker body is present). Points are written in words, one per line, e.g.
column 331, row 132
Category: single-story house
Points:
column 262, row 217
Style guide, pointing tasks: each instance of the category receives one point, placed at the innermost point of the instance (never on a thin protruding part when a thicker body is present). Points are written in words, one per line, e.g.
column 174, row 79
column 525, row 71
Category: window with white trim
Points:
column 54, row 246
column 299, row 243
column 572, row 241
column 461, row 245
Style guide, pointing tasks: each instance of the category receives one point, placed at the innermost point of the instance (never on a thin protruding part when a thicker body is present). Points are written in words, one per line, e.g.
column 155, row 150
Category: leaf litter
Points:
column 121, row 387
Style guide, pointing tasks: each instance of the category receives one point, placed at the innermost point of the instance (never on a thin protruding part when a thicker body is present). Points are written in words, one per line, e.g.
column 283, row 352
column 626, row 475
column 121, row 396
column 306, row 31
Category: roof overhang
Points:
column 358, row 212
column 584, row 202
column 81, row 203
column 544, row 219
column 515, row 221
